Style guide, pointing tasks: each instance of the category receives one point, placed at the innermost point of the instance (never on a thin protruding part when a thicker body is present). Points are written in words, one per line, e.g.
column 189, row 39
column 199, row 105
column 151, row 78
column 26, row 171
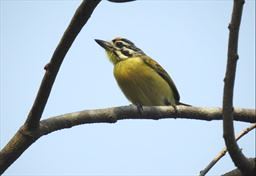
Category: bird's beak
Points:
column 104, row 44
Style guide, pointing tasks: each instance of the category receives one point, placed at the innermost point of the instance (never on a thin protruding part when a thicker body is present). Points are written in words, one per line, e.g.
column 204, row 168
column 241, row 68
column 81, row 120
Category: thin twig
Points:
column 224, row 151
column 228, row 127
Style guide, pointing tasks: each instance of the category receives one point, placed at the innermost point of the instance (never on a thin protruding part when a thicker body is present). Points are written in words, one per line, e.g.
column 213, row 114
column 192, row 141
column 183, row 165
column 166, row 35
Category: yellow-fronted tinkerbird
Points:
column 143, row 81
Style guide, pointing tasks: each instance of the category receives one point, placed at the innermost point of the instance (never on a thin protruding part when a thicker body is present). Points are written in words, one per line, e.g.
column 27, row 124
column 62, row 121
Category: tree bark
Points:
column 24, row 137
column 243, row 164
column 27, row 134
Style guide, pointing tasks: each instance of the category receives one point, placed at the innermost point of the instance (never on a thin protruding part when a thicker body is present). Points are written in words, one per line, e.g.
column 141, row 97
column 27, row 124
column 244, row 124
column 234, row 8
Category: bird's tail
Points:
column 184, row 104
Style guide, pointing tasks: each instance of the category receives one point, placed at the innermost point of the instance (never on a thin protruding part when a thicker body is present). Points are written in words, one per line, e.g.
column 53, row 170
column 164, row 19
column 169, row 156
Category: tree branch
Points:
column 237, row 172
column 224, row 151
column 24, row 138
column 120, row 1
column 33, row 128
column 228, row 128
column 112, row 115
column 79, row 19
column 27, row 134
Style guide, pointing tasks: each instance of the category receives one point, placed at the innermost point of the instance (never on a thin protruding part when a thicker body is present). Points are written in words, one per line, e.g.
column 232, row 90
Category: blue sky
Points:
column 188, row 38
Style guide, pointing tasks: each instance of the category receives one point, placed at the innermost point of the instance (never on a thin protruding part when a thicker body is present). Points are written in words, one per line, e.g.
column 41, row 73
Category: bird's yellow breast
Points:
column 141, row 84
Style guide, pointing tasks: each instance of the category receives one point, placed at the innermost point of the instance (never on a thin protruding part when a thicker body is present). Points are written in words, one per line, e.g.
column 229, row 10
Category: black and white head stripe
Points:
column 126, row 48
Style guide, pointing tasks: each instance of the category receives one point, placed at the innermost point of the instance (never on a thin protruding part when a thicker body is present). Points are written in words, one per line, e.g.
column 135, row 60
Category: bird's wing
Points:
column 155, row 66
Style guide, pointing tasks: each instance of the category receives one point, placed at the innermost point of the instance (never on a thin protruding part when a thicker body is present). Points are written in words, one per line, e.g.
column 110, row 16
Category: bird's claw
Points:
column 175, row 108
column 139, row 107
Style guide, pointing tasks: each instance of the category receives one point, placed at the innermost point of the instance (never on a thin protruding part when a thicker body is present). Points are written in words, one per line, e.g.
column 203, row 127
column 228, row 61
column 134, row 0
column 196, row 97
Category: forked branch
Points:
column 224, row 150
column 79, row 19
column 33, row 128
column 22, row 139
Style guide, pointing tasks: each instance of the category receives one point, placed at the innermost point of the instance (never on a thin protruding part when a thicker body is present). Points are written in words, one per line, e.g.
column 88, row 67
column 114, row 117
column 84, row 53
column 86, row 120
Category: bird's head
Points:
column 120, row 49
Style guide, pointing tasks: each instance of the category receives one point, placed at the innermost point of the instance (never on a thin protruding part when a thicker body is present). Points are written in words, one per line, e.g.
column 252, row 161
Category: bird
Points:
column 143, row 81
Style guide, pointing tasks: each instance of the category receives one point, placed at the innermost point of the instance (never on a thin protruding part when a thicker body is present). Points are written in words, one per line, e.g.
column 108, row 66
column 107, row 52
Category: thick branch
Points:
column 81, row 16
column 111, row 115
column 28, row 133
column 224, row 150
column 236, row 172
column 228, row 128
column 24, row 138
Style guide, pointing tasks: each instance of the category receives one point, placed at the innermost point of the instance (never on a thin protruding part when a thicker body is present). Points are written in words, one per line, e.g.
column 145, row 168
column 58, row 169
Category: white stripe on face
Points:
column 120, row 54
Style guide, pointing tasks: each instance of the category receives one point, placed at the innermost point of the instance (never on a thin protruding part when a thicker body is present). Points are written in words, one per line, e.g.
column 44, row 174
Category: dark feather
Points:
column 155, row 66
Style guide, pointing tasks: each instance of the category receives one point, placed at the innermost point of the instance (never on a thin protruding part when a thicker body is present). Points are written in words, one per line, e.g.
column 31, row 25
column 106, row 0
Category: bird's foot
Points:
column 175, row 108
column 139, row 107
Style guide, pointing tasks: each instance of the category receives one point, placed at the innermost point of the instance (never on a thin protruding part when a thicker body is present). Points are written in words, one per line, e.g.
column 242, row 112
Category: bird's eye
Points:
column 126, row 53
column 119, row 44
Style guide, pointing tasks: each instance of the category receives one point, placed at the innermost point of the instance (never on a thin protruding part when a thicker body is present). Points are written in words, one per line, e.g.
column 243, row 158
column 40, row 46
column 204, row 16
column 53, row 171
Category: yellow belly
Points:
column 141, row 84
